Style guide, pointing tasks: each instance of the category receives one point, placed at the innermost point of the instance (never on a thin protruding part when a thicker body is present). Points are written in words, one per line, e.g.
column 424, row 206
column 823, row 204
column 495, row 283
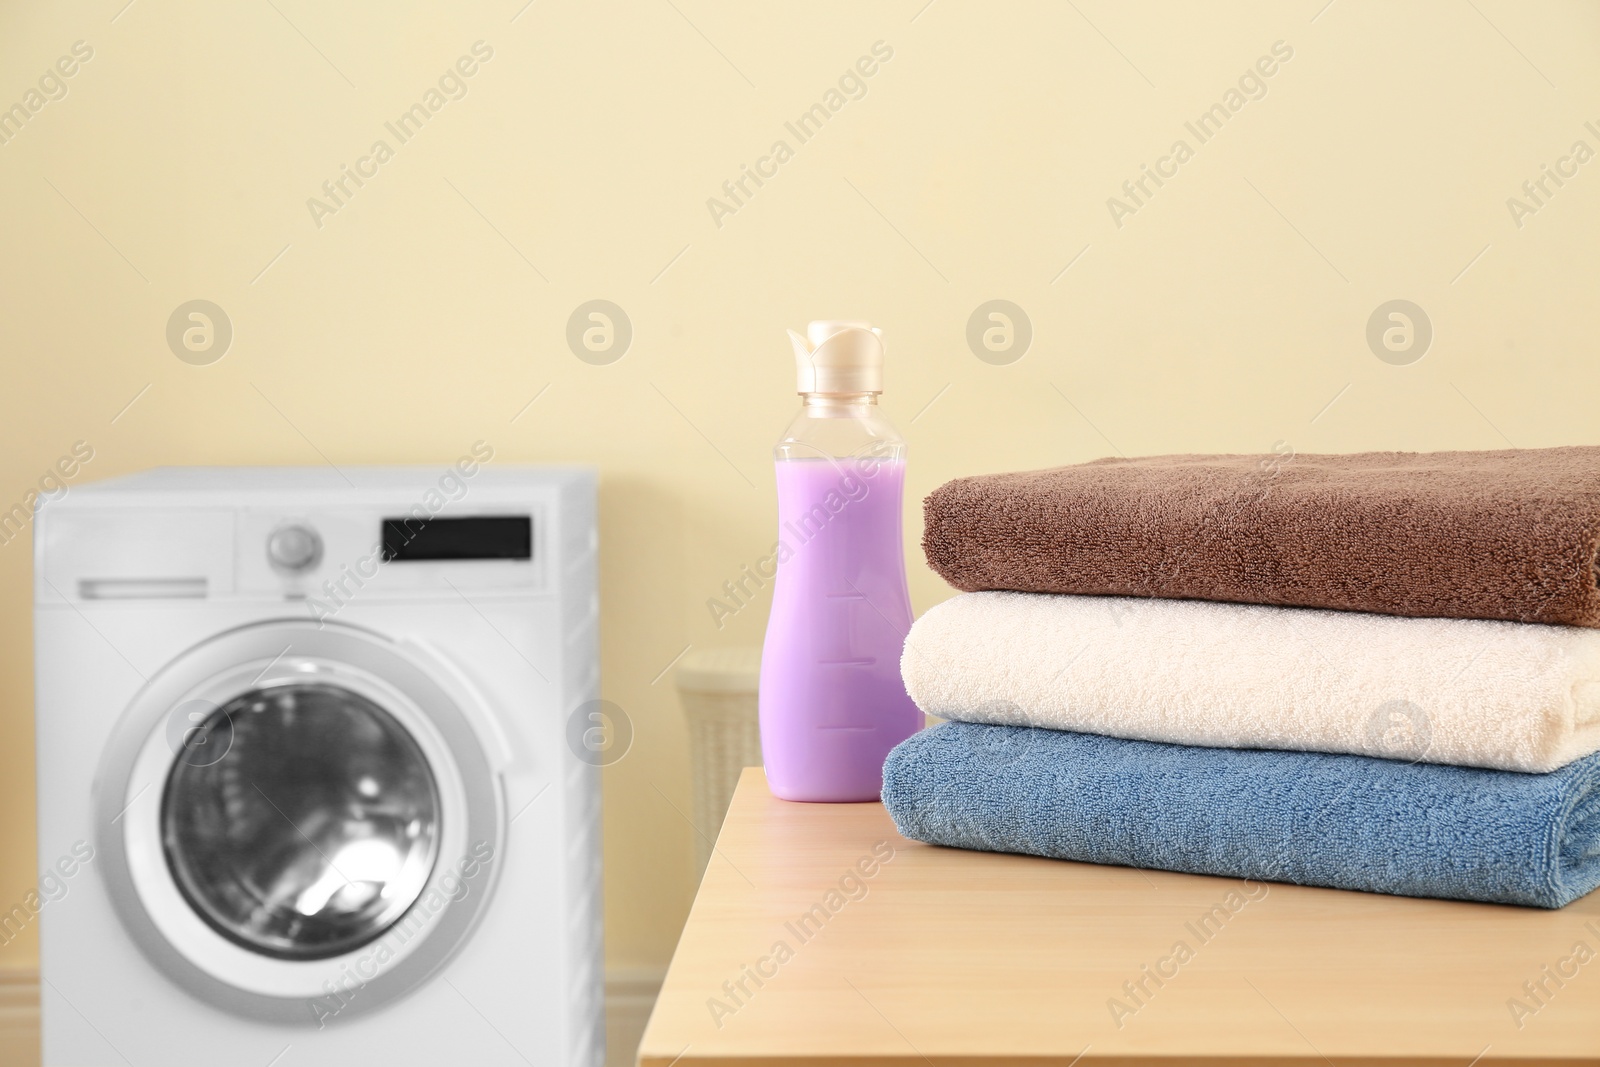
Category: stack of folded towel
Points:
column 1376, row 672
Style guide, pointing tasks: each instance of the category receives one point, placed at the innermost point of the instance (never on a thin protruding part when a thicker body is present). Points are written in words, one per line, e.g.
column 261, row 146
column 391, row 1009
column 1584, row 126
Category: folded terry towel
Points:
column 1512, row 534
column 1486, row 694
column 1351, row 822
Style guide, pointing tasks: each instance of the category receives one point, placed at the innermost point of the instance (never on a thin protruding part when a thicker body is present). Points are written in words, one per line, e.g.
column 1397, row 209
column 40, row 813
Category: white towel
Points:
column 1506, row 695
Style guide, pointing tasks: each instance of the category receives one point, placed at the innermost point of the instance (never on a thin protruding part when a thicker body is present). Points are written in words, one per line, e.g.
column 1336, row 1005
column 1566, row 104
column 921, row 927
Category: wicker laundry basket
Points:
column 718, row 690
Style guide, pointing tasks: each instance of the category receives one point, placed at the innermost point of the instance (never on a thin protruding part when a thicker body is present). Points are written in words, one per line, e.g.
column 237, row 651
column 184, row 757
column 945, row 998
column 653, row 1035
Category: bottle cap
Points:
column 836, row 356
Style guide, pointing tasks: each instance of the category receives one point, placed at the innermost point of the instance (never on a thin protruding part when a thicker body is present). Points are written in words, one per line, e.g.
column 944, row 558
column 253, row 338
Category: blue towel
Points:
column 1351, row 822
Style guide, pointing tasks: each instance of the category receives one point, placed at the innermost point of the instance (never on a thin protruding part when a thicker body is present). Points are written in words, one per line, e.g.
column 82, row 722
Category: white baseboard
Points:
column 19, row 1017
column 630, row 994
column 630, row 997
column 19, row 992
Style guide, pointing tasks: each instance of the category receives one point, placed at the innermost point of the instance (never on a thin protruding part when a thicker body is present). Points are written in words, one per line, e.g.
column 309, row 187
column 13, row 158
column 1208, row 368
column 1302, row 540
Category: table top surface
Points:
column 820, row 935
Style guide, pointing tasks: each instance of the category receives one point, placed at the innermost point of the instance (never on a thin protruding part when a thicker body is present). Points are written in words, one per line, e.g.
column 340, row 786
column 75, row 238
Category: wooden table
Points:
column 820, row 935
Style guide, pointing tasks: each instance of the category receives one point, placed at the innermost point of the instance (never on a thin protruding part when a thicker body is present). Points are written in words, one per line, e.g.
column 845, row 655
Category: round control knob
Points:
column 294, row 548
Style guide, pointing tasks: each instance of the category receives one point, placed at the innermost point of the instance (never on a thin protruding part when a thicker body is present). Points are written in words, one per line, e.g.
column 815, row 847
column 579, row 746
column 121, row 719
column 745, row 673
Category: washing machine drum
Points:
column 287, row 806
column 312, row 829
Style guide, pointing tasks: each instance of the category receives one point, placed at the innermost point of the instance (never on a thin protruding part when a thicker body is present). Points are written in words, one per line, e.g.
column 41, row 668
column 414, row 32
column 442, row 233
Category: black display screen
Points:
column 469, row 537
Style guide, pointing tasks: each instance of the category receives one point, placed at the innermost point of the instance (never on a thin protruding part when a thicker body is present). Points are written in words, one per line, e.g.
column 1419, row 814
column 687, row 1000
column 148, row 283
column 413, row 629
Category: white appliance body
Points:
column 306, row 793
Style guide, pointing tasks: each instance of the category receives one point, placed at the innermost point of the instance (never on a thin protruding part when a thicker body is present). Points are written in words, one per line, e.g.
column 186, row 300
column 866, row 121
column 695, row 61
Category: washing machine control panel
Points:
column 377, row 551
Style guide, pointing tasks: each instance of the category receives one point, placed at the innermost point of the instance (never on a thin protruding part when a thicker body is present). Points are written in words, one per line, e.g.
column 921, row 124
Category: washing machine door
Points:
column 299, row 823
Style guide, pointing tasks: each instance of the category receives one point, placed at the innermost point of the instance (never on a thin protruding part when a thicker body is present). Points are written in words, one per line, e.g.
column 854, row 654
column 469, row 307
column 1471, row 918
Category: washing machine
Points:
column 317, row 767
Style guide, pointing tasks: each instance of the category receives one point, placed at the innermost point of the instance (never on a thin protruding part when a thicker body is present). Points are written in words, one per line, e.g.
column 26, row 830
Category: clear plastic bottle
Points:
column 832, row 700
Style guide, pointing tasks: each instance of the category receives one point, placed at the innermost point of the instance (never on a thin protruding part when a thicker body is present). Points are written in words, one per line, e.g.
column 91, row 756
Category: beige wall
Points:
column 1225, row 313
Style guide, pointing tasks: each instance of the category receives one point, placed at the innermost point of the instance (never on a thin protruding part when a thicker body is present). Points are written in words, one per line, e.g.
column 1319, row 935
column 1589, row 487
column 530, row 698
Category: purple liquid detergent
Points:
column 832, row 700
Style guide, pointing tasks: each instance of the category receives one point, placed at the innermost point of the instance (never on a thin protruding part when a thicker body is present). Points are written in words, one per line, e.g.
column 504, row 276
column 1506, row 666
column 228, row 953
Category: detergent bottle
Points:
column 832, row 703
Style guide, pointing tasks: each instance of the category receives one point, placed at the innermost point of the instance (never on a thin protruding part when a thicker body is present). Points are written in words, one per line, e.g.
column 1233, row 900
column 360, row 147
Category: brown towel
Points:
column 1511, row 534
